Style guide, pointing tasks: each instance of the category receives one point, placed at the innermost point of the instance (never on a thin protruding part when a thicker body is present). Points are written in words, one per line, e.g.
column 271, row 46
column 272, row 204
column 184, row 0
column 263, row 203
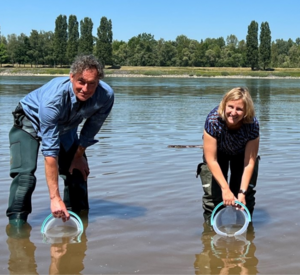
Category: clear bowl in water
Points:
column 54, row 230
column 231, row 220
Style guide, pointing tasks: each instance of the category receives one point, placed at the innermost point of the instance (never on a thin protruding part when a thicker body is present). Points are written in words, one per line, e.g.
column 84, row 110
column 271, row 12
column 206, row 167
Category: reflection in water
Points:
column 66, row 257
column 226, row 255
column 21, row 259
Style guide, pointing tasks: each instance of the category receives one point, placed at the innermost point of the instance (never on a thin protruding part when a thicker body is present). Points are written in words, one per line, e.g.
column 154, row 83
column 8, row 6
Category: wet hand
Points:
column 59, row 210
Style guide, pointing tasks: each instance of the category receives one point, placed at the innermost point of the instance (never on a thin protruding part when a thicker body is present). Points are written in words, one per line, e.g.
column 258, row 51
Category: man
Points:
column 50, row 115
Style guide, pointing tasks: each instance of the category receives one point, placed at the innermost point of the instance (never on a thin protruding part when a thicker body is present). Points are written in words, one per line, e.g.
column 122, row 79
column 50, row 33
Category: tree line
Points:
column 71, row 38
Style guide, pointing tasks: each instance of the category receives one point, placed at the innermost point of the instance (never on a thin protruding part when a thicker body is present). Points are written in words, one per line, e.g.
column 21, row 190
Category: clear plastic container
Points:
column 231, row 220
column 54, row 230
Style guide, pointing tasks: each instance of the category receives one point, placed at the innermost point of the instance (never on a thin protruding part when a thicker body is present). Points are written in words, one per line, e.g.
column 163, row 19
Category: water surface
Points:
column 146, row 212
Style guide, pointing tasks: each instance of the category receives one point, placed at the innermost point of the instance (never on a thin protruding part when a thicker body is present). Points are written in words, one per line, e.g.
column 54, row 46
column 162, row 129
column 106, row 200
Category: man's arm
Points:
column 58, row 208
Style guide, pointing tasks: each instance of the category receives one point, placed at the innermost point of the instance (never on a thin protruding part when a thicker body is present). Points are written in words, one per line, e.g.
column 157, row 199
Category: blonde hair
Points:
column 236, row 94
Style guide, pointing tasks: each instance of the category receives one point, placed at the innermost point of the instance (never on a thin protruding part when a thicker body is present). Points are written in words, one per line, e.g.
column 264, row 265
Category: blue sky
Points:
column 197, row 19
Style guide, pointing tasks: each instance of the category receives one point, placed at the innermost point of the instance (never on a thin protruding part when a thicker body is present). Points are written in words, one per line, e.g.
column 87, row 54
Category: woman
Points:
column 230, row 140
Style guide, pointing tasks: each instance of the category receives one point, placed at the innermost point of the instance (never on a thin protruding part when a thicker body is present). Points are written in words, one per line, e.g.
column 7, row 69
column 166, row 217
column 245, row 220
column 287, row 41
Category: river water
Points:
column 146, row 212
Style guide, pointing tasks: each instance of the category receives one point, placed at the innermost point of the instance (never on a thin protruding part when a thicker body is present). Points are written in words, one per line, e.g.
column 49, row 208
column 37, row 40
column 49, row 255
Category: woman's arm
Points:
column 210, row 153
column 251, row 152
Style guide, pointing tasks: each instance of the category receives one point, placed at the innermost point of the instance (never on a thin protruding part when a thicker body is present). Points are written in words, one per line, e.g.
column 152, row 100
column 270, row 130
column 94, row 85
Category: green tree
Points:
column 294, row 54
column 104, row 41
column 193, row 47
column 60, row 39
column 280, row 52
column 86, row 40
column 252, row 45
column 3, row 54
column 12, row 48
column 120, row 52
column 242, row 50
column 73, row 37
column 200, row 54
column 166, row 53
column 34, row 52
column 265, row 44
column 48, row 38
column 232, row 41
column 182, row 45
column 212, row 51
column 45, row 46
column 142, row 50
column 274, row 55
column 23, row 46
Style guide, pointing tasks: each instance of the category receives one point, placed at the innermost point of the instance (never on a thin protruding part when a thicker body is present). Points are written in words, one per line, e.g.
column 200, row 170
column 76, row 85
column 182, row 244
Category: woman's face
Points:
column 234, row 113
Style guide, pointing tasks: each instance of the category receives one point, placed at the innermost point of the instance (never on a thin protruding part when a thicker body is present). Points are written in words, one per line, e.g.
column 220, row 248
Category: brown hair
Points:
column 236, row 94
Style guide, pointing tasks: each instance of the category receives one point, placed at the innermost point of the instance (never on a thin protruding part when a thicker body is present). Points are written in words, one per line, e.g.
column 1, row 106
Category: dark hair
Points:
column 86, row 62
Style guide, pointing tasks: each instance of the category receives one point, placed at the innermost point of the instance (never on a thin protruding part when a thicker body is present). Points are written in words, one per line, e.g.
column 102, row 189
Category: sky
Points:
column 166, row 19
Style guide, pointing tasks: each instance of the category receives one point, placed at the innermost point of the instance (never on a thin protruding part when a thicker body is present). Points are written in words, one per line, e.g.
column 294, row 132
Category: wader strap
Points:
column 22, row 122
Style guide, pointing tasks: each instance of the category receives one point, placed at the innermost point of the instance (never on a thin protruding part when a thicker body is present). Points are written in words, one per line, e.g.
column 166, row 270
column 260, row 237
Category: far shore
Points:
column 161, row 72
column 161, row 76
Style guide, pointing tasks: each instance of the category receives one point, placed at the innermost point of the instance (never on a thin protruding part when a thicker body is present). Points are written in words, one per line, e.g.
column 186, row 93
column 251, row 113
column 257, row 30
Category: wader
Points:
column 212, row 191
column 24, row 148
column 75, row 190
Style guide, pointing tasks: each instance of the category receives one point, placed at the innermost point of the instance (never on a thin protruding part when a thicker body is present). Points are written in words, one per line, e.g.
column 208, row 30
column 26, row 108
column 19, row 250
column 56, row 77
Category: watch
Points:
column 243, row 191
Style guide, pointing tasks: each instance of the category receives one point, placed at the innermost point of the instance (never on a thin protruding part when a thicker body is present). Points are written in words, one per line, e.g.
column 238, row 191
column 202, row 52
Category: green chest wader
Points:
column 24, row 147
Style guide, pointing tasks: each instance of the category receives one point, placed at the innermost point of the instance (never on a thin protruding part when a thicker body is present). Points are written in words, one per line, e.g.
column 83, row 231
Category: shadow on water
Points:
column 261, row 217
column 226, row 255
column 114, row 209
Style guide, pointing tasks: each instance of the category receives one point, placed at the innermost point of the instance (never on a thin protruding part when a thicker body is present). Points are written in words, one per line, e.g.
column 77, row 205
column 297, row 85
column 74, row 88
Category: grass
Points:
column 161, row 71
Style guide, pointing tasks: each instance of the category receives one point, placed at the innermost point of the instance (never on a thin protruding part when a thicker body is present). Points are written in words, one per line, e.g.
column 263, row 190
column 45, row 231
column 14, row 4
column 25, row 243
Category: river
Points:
column 146, row 203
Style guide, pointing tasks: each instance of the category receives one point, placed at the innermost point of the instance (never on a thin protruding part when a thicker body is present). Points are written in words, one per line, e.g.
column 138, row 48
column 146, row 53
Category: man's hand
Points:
column 80, row 164
column 58, row 209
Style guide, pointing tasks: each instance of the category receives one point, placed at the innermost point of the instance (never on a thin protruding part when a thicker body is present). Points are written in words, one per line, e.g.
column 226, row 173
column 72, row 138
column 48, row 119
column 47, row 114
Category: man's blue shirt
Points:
column 56, row 114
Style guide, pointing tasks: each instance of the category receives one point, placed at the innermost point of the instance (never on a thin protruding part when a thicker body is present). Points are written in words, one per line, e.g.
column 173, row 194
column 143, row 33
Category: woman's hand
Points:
column 242, row 198
column 228, row 197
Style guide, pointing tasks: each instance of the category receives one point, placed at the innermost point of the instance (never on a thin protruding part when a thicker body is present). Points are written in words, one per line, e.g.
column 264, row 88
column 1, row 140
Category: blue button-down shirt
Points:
column 56, row 114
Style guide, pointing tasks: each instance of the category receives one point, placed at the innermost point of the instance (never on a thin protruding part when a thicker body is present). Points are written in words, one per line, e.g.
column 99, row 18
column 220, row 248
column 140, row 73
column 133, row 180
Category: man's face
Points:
column 85, row 83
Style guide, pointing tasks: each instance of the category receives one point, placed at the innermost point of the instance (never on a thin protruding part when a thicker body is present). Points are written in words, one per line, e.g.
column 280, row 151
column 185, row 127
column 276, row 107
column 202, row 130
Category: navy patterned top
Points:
column 231, row 142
